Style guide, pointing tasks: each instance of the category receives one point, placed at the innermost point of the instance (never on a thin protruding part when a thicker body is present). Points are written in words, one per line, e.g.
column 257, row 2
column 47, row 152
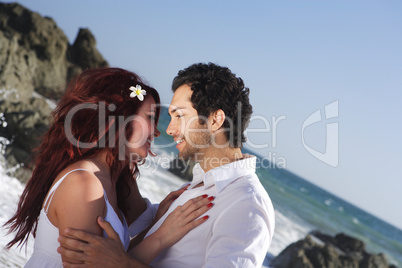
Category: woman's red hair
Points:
column 56, row 152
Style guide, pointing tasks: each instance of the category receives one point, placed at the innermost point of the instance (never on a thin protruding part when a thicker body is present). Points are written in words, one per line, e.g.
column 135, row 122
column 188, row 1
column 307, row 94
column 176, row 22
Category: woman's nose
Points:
column 157, row 133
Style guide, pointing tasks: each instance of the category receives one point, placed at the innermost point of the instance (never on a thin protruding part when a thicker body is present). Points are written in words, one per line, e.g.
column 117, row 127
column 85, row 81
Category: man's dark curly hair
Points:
column 215, row 87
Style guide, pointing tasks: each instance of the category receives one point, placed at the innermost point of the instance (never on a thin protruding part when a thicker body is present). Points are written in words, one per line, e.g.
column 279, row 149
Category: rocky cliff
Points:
column 36, row 61
column 319, row 250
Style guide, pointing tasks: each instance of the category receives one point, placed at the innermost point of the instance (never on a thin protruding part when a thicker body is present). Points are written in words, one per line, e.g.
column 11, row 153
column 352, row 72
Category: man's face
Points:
column 192, row 138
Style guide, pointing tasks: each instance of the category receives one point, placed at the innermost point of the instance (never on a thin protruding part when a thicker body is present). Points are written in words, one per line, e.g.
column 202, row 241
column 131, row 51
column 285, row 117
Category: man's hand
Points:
column 95, row 251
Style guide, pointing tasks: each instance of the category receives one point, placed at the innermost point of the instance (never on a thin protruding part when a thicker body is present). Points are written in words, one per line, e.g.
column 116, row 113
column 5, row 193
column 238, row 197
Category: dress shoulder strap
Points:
column 49, row 198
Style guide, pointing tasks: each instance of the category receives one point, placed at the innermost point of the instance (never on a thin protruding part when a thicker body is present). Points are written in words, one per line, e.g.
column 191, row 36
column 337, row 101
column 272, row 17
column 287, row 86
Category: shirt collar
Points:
column 223, row 175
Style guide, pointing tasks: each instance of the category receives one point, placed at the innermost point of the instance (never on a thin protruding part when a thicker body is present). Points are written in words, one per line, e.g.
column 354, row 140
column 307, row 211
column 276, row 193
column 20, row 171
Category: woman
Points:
column 87, row 165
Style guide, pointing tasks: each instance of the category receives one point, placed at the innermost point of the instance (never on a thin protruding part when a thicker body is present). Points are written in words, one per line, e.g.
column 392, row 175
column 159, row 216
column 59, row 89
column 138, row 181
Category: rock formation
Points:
column 36, row 60
column 318, row 250
column 83, row 52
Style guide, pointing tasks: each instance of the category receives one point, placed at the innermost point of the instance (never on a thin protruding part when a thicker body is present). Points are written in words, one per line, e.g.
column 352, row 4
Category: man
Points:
column 209, row 112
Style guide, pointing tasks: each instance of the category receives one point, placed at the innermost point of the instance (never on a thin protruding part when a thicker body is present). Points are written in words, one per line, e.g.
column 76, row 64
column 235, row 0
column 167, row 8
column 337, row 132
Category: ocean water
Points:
column 300, row 207
column 313, row 208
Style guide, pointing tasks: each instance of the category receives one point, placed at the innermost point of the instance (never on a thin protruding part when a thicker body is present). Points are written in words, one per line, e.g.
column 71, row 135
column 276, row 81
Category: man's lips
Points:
column 179, row 142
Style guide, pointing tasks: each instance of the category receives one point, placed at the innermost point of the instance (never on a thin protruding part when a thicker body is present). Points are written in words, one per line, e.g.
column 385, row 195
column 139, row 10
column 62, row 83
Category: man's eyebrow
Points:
column 175, row 109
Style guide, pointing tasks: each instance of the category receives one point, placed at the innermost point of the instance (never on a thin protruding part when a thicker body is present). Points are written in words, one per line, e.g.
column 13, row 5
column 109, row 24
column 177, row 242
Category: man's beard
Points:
column 196, row 143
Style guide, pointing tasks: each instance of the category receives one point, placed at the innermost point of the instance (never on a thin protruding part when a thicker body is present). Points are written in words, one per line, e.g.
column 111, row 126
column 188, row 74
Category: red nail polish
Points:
column 210, row 205
column 211, row 198
column 205, row 217
column 204, row 195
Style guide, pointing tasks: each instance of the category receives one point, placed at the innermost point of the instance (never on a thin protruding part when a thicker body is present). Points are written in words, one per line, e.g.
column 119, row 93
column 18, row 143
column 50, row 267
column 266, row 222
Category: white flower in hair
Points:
column 137, row 91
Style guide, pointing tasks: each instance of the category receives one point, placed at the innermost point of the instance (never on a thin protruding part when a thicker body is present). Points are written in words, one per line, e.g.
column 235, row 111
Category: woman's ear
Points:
column 218, row 117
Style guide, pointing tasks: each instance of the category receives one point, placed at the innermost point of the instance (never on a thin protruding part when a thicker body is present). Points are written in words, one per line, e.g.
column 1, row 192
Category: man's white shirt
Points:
column 240, row 225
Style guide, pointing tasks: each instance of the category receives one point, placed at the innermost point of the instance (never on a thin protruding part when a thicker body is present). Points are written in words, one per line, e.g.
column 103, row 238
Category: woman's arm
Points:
column 175, row 226
column 161, row 210
column 77, row 203
column 108, row 252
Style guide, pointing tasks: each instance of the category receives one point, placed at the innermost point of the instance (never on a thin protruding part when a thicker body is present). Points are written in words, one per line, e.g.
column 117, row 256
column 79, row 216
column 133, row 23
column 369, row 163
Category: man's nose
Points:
column 171, row 129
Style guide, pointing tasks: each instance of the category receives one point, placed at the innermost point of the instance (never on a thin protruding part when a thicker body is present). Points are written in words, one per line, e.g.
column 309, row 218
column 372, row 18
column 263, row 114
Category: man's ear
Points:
column 217, row 119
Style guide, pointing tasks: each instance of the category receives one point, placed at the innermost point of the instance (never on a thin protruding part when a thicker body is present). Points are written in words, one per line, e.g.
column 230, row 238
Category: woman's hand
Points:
column 179, row 222
column 165, row 204
column 183, row 219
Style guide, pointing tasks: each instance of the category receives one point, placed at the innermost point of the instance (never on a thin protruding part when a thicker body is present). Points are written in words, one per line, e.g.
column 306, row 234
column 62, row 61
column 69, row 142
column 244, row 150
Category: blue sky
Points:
column 296, row 57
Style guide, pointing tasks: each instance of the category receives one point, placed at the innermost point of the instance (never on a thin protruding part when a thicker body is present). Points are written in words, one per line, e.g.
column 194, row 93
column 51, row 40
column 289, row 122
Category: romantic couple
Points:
column 82, row 203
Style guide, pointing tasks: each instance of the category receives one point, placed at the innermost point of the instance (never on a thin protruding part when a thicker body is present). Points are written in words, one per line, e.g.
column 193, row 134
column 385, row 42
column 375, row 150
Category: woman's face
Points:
column 143, row 130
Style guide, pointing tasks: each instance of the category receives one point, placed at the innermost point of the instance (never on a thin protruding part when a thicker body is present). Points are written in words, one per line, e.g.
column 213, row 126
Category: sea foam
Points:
column 10, row 191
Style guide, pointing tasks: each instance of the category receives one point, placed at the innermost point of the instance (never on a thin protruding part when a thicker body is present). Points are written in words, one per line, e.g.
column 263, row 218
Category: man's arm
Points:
column 241, row 235
column 97, row 251
column 103, row 252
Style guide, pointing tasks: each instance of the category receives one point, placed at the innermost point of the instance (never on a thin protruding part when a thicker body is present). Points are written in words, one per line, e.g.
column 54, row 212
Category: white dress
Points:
column 45, row 247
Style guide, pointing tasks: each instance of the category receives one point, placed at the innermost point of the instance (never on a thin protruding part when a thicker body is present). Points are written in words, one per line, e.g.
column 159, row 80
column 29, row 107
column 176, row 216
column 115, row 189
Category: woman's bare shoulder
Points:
column 80, row 196
column 80, row 185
